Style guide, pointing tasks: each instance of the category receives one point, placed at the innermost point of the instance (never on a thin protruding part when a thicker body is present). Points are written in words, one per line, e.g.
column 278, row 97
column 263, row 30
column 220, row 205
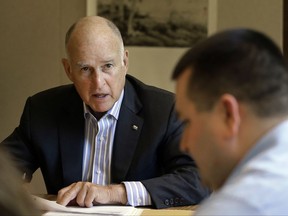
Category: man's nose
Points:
column 98, row 79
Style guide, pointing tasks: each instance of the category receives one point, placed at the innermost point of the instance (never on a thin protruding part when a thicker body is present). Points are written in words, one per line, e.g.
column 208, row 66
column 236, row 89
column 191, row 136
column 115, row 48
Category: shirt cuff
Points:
column 137, row 194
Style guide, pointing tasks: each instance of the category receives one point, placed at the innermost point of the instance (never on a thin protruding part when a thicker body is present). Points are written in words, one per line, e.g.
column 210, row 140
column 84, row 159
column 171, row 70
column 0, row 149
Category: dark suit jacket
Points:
column 51, row 136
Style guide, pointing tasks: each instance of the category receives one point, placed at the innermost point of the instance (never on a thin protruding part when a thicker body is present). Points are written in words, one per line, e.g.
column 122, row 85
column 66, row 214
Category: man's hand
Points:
column 89, row 194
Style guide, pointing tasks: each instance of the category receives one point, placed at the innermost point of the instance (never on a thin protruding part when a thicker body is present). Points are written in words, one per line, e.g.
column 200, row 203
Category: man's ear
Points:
column 231, row 115
column 126, row 59
column 67, row 68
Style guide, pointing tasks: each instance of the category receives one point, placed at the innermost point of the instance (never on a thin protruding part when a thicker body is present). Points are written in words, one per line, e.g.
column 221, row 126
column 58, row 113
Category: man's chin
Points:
column 100, row 109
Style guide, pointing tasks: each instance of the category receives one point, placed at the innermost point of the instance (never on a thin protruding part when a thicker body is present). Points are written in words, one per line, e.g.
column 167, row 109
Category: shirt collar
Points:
column 268, row 141
column 114, row 111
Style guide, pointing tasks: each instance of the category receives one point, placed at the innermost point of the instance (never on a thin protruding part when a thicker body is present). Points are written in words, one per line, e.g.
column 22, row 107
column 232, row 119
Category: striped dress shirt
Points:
column 99, row 137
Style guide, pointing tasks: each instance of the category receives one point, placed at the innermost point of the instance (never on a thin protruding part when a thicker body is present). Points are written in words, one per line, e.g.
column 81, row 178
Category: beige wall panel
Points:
column 154, row 65
column 29, row 54
column 32, row 44
column 263, row 15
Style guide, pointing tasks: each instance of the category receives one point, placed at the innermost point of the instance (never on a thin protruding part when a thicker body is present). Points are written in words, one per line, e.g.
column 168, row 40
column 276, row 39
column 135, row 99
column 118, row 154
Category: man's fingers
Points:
column 87, row 194
column 91, row 196
column 81, row 197
column 69, row 193
column 72, row 203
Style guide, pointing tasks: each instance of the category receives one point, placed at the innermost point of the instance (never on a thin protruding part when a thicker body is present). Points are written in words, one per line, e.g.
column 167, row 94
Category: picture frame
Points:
column 161, row 23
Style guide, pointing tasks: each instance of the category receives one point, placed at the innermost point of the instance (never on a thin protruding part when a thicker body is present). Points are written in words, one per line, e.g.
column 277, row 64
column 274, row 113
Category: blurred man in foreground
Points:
column 232, row 94
column 14, row 199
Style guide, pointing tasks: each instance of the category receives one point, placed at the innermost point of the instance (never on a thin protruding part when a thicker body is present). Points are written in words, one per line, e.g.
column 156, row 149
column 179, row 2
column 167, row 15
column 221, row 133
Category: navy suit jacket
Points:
column 51, row 136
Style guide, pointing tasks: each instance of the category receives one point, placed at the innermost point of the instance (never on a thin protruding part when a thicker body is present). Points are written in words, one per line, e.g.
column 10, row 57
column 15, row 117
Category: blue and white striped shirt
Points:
column 97, row 154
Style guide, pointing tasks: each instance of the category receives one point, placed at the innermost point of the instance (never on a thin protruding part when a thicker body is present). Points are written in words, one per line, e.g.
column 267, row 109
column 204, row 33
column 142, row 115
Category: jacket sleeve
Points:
column 180, row 185
column 18, row 144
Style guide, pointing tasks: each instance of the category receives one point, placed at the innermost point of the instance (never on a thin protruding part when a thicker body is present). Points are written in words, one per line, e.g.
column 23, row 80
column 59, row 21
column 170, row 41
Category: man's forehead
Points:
column 182, row 81
column 181, row 90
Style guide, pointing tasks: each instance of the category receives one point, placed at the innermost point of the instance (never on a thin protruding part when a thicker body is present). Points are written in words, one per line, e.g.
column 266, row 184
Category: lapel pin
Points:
column 135, row 127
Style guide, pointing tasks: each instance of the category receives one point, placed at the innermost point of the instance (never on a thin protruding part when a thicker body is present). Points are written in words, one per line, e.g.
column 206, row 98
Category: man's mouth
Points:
column 100, row 95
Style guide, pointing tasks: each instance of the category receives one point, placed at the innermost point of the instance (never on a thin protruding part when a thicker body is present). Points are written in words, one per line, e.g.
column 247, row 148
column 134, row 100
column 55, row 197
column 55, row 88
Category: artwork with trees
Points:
column 162, row 23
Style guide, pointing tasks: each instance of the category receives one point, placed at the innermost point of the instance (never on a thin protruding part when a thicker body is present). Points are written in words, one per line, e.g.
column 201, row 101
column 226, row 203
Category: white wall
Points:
column 32, row 44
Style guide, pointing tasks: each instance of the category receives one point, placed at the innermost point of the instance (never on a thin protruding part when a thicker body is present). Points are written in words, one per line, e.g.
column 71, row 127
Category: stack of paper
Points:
column 52, row 208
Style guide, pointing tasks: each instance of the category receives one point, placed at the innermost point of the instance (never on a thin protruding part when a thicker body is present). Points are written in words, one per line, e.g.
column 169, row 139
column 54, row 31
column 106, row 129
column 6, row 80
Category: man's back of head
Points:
column 242, row 62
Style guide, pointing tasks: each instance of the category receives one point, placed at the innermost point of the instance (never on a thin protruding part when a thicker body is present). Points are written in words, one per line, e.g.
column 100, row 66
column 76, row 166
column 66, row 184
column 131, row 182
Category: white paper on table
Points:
column 52, row 207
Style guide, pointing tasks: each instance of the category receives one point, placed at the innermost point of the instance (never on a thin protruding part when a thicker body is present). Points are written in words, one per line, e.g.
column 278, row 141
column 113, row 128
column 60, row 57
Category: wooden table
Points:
column 174, row 211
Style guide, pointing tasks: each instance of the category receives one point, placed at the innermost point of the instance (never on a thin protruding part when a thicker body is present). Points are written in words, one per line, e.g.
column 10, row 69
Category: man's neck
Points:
column 97, row 115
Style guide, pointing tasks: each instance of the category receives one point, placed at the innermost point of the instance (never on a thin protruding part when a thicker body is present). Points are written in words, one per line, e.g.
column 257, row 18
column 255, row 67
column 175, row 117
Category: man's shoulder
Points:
column 62, row 91
column 144, row 90
column 55, row 90
column 55, row 95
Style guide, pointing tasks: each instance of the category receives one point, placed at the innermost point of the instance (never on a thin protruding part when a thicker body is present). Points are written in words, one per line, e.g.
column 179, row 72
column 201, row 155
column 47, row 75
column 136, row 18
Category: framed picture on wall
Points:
column 157, row 23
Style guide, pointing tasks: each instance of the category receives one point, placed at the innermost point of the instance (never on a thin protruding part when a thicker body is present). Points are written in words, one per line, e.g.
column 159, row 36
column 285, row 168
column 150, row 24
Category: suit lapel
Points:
column 127, row 133
column 71, row 138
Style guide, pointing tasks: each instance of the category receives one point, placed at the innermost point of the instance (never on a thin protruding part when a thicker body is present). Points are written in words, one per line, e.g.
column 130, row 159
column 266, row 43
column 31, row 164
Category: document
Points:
column 52, row 208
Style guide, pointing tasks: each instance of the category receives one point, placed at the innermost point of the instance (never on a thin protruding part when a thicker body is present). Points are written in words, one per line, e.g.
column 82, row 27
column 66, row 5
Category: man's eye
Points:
column 108, row 66
column 186, row 123
column 85, row 69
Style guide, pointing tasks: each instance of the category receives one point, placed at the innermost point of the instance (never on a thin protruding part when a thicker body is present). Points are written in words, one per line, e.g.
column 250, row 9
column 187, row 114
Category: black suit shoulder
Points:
column 56, row 94
column 54, row 99
column 46, row 108
column 151, row 94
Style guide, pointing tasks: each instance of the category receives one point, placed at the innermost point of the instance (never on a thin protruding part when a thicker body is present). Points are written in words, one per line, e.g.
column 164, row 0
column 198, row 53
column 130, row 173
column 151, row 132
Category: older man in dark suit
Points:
column 108, row 138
